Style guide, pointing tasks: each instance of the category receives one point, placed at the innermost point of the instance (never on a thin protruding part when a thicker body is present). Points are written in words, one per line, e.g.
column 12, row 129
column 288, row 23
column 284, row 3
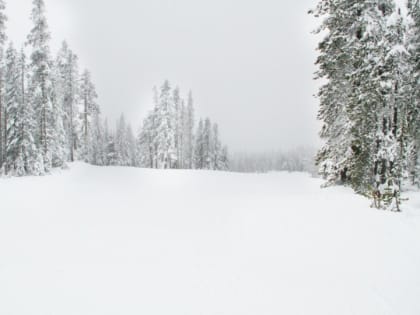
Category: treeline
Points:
column 370, row 103
column 49, row 116
column 298, row 160
column 48, row 109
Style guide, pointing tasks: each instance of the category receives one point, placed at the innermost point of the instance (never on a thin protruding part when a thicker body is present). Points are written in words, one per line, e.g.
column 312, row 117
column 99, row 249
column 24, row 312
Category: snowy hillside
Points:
column 98, row 241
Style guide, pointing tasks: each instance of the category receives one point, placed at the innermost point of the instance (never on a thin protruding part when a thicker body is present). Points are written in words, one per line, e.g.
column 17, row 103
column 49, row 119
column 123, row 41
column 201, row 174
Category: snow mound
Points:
column 98, row 241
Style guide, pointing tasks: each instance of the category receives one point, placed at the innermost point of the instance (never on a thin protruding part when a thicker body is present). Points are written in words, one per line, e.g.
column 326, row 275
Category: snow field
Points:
column 99, row 241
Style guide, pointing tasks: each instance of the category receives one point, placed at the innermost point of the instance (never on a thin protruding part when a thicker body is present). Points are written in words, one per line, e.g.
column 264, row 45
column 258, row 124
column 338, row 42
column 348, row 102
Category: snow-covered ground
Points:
column 99, row 241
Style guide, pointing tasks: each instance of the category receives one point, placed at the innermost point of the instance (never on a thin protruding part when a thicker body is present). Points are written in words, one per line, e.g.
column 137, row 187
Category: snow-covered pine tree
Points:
column 188, row 138
column 96, row 140
column 207, row 145
column 145, row 149
column 12, row 120
column 90, row 110
column 58, row 145
column 3, row 37
column 69, row 96
column 414, row 112
column 224, row 159
column 131, row 146
column 391, row 81
column 20, row 150
column 370, row 109
column 111, row 155
column 165, row 133
column 124, row 143
column 120, row 145
column 177, row 126
column 28, row 149
column 199, row 146
column 40, row 85
column 183, row 115
column 216, row 149
column 335, row 64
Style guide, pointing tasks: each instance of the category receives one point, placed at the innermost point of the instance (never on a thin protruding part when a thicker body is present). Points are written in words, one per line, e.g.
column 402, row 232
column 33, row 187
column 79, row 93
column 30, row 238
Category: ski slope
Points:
column 102, row 241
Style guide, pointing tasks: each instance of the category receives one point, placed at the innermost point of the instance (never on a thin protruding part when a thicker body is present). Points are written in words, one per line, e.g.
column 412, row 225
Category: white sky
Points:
column 248, row 62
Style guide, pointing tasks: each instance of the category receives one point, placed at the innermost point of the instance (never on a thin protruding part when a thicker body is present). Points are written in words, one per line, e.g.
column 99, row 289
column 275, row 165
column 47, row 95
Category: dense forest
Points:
column 369, row 59
column 49, row 115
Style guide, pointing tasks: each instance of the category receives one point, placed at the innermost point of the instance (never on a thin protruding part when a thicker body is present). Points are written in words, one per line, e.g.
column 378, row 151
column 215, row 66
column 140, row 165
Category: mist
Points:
column 249, row 64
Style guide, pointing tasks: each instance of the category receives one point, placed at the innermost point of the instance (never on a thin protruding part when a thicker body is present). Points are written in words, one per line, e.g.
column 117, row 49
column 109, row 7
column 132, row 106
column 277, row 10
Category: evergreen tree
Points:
column 414, row 111
column 216, row 148
column 121, row 143
column 335, row 63
column 12, row 121
column 144, row 144
column 131, row 146
column 3, row 38
column 223, row 163
column 199, row 146
column 188, row 138
column 177, row 122
column 69, row 95
column 28, row 150
column 165, row 133
column 111, row 155
column 90, row 111
column 207, row 140
column 59, row 152
column 96, row 140
column 40, row 85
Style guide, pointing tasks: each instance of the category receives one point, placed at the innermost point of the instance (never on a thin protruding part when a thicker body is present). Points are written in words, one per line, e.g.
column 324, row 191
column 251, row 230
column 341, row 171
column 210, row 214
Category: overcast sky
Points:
column 248, row 63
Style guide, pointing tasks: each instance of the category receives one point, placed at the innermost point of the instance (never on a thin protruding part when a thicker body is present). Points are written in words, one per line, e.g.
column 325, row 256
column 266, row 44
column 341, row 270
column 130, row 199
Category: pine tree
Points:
column 3, row 38
column 224, row 159
column 392, row 82
column 146, row 154
column 40, row 84
column 21, row 154
column 96, row 140
column 216, row 148
column 370, row 104
column 335, row 64
column 88, row 97
column 131, row 146
column 199, row 146
column 207, row 145
column 28, row 149
column 177, row 125
column 12, row 121
column 165, row 133
column 67, row 64
column 414, row 112
column 59, row 149
column 189, row 134
column 121, row 143
column 111, row 155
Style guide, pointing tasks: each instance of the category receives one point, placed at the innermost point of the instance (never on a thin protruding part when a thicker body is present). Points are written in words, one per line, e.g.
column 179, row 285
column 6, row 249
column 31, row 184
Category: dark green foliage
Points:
column 367, row 107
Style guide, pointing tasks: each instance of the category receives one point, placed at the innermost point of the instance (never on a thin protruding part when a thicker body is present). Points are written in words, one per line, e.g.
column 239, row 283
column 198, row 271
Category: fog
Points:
column 248, row 63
